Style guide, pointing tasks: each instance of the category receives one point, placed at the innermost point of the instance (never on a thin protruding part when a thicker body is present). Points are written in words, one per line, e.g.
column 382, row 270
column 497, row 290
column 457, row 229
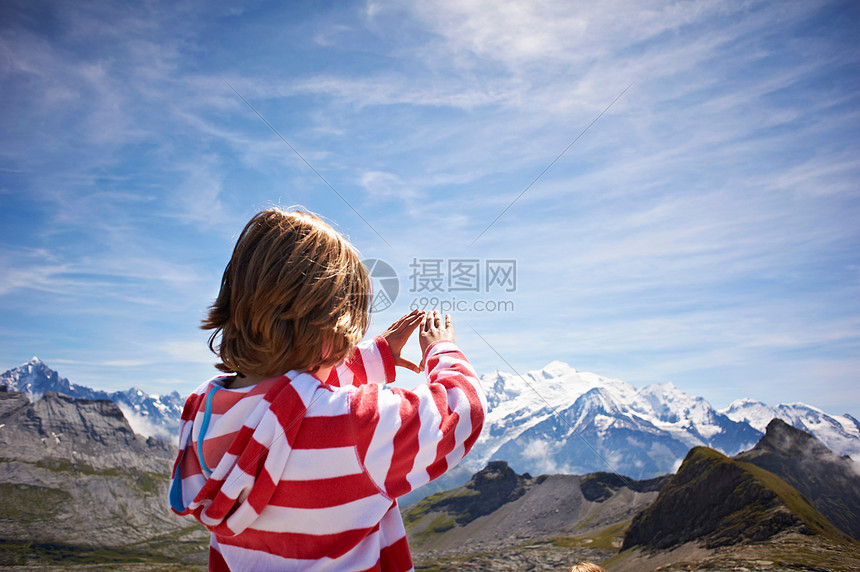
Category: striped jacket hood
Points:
column 227, row 477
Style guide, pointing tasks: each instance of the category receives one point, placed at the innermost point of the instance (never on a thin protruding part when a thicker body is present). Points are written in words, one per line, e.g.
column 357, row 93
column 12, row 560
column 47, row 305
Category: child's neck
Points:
column 249, row 380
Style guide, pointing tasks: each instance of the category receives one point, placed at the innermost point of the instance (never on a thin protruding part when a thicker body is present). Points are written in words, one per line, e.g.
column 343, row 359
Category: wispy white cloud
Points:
column 328, row 35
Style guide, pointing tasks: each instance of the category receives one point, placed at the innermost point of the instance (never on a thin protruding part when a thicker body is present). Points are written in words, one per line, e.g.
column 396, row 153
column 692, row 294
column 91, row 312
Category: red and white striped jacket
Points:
column 296, row 474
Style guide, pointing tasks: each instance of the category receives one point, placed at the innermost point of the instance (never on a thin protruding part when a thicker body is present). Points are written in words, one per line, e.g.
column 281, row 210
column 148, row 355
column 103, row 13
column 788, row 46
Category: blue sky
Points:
column 702, row 231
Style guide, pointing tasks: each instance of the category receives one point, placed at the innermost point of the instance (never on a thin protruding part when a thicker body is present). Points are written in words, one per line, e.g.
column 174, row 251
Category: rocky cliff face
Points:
column 73, row 474
column 78, row 431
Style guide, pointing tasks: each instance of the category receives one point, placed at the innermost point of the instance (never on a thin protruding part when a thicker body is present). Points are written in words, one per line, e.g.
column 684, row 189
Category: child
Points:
column 295, row 458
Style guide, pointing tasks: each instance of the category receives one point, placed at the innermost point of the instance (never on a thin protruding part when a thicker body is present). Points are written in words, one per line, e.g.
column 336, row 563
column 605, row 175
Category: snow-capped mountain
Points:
column 148, row 415
column 560, row 420
column 840, row 433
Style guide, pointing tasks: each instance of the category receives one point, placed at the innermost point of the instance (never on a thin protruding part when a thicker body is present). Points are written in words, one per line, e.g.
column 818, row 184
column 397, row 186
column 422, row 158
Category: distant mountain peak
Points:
column 840, row 433
column 36, row 365
column 557, row 369
column 779, row 430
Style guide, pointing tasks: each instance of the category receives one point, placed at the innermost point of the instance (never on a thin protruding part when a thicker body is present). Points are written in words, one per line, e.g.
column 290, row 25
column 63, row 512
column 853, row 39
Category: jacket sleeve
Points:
column 408, row 438
column 370, row 362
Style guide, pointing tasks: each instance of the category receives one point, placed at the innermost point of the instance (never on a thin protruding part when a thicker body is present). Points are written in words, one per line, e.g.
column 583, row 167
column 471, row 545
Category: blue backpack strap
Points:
column 176, row 501
column 204, row 426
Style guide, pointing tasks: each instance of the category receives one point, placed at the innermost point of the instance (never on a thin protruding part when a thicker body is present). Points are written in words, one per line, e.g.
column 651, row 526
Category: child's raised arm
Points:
column 407, row 438
column 374, row 361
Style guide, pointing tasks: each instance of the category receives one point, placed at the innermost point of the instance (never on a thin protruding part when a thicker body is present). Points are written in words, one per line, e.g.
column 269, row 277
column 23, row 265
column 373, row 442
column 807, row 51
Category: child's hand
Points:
column 398, row 333
column 434, row 330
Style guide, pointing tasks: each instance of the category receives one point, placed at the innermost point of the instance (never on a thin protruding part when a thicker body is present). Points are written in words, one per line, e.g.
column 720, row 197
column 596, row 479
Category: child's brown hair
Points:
column 294, row 296
column 587, row 567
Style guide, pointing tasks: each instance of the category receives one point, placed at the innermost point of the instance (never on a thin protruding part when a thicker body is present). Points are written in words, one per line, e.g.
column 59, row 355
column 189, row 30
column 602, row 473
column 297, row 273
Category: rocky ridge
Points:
column 716, row 513
column 831, row 483
column 86, row 432
column 501, row 512
column 717, row 501
column 721, row 513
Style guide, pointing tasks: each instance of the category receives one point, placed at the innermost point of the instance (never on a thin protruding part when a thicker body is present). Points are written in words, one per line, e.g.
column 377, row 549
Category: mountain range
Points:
column 553, row 420
column 559, row 420
column 148, row 415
